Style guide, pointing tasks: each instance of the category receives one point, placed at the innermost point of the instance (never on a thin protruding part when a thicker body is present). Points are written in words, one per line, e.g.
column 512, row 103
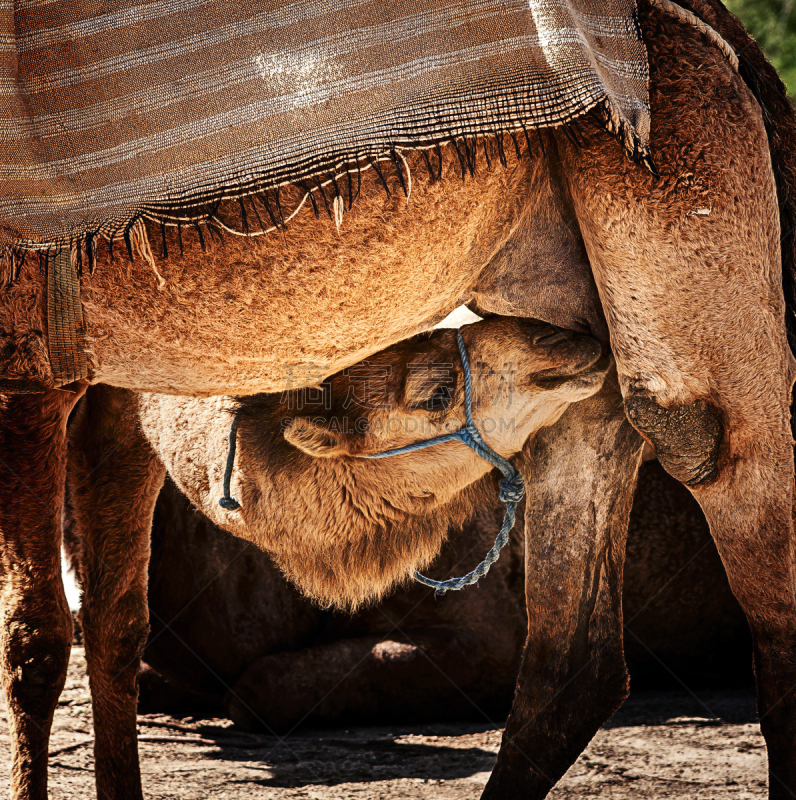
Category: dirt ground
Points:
column 660, row 745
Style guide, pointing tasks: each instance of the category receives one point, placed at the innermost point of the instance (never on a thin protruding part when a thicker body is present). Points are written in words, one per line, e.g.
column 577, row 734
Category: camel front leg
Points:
column 36, row 624
column 581, row 476
column 114, row 481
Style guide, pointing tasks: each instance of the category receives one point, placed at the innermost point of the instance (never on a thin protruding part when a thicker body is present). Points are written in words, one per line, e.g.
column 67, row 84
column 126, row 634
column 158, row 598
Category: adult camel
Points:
column 683, row 274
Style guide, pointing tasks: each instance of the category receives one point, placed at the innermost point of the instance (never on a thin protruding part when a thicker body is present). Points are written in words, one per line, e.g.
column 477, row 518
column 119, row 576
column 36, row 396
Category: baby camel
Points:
column 344, row 528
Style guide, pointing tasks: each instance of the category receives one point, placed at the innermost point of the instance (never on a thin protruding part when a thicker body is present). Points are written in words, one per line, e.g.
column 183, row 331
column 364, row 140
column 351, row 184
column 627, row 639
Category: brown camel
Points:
column 683, row 273
column 230, row 635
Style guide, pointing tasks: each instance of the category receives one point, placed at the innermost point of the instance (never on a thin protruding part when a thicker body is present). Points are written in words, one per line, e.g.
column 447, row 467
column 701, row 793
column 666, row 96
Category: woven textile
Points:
column 65, row 331
column 112, row 108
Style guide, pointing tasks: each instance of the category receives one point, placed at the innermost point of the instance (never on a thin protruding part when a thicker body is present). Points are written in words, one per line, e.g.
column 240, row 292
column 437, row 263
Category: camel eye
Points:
column 434, row 389
column 440, row 400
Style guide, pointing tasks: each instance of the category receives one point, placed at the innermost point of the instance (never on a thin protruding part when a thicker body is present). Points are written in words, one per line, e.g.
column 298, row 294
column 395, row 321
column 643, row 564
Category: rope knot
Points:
column 512, row 489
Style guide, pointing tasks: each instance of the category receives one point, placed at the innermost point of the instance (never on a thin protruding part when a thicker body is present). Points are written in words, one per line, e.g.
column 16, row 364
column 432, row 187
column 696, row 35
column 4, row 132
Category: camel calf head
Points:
column 346, row 528
column 524, row 375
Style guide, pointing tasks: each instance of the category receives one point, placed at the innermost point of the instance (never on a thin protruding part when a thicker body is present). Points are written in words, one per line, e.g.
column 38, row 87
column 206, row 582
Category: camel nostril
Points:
column 551, row 335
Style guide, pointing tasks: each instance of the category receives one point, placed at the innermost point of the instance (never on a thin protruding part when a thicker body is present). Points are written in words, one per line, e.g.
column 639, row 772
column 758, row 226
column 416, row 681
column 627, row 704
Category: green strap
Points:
column 65, row 320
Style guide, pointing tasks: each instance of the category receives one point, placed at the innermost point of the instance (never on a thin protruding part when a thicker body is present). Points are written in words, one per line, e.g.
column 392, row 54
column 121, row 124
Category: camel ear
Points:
column 314, row 440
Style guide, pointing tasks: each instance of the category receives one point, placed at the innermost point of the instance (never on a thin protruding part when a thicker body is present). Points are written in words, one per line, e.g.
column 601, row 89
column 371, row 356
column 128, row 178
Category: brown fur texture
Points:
column 347, row 529
column 694, row 308
column 112, row 487
column 36, row 633
column 226, row 626
column 780, row 122
column 235, row 319
column 543, row 271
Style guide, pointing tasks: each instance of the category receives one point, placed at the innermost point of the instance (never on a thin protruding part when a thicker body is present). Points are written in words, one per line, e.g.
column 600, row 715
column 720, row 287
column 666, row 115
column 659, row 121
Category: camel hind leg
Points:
column 689, row 272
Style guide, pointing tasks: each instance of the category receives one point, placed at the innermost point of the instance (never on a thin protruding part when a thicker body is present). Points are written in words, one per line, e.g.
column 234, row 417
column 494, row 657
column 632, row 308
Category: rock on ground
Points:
column 660, row 745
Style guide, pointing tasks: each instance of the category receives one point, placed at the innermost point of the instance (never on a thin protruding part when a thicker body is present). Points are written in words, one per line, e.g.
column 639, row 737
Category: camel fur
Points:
column 347, row 529
column 681, row 275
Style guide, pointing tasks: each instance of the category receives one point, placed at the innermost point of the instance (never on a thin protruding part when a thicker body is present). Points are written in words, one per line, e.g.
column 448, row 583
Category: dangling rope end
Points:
column 228, row 502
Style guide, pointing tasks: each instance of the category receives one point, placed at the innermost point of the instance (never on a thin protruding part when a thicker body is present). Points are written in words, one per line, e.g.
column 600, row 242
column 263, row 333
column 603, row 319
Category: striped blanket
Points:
column 110, row 109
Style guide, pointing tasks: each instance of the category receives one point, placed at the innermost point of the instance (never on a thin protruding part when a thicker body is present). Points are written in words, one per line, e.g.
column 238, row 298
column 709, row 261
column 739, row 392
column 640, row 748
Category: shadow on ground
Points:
column 702, row 707
column 332, row 757
column 326, row 757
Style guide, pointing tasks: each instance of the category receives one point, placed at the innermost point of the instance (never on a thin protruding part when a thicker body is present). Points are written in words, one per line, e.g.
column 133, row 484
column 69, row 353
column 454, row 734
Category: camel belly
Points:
column 243, row 340
column 257, row 314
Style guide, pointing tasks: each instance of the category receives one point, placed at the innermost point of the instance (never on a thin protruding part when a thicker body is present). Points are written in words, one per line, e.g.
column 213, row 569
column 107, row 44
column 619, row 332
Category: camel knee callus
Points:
column 687, row 438
column 39, row 664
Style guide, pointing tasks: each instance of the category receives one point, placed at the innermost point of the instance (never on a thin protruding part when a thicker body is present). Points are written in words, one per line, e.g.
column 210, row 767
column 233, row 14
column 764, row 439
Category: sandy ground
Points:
column 660, row 745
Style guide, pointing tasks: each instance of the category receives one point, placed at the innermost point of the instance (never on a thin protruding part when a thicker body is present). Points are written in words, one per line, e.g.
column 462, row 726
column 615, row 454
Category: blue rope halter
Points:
column 512, row 487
